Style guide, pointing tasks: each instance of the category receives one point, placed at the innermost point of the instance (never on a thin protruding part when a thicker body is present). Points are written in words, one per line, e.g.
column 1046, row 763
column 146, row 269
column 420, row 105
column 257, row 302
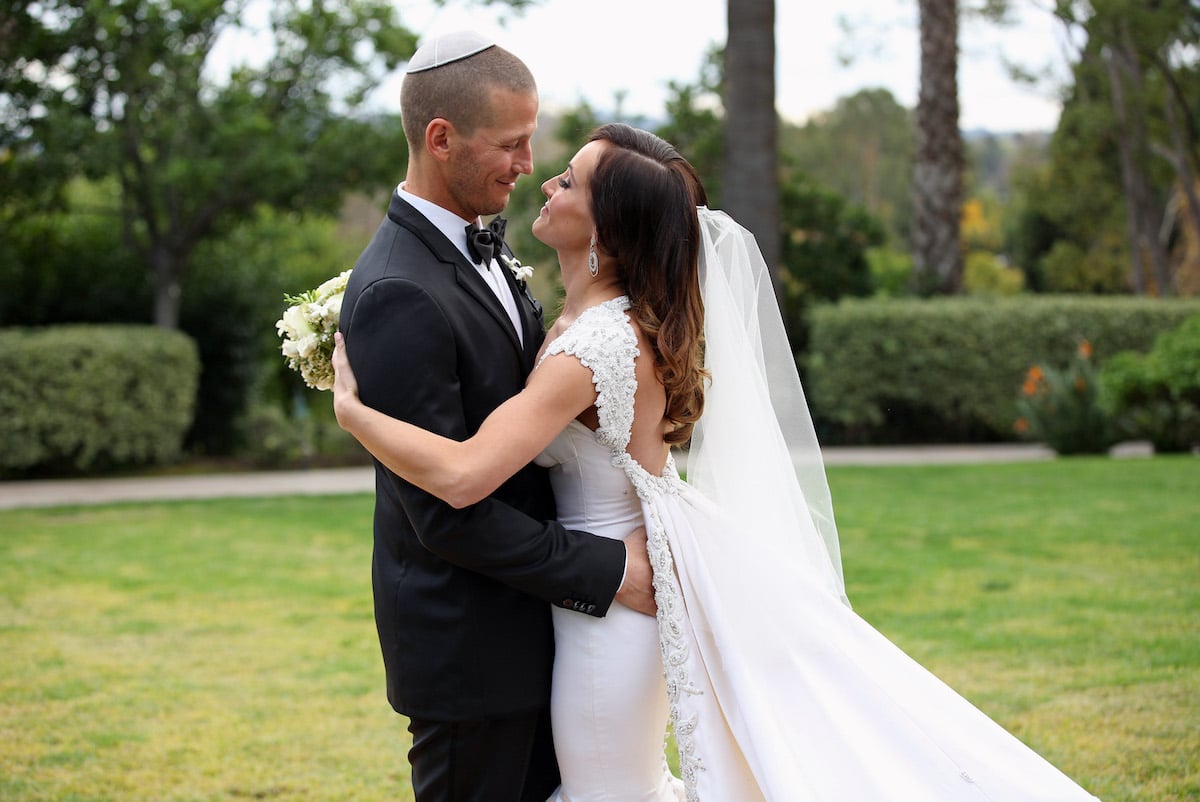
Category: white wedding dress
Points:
column 776, row 689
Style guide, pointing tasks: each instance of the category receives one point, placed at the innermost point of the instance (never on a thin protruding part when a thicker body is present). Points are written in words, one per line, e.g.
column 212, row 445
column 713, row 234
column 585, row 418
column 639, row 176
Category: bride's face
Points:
column 565, row 222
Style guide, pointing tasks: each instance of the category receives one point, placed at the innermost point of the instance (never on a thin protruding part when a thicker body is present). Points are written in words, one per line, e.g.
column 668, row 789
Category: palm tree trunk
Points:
column 750, row 174
column 938, row 168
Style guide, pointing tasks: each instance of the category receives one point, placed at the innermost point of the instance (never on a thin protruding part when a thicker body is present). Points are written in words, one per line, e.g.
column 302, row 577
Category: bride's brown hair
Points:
column 644, row 197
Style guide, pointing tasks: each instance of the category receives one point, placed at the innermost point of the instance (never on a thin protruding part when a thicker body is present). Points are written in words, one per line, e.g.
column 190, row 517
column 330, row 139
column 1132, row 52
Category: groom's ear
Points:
column 439, row 135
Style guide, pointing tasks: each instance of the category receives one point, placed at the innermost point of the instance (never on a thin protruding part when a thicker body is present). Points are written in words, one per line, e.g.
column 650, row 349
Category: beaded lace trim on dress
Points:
column 603, row 339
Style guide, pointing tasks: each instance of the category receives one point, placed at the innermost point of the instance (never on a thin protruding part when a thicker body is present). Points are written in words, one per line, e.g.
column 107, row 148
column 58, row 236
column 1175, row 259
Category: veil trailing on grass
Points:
column 754, row 450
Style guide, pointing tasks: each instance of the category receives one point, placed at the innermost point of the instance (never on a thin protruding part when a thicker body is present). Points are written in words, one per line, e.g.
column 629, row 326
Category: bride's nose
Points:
column 548, row 188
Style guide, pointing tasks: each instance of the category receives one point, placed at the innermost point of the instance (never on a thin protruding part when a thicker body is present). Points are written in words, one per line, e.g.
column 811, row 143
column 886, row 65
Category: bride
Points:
column 775, row 688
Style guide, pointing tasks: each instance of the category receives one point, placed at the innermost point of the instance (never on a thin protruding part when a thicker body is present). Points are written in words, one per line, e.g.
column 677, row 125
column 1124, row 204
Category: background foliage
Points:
column 1156, row 395
column 949, row 369
column 177, row 196
column 119, row 89
column 85, row 396
column 72, row 266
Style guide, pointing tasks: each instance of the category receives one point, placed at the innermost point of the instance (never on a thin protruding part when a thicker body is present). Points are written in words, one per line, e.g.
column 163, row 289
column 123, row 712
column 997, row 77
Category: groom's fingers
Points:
column 637, row 591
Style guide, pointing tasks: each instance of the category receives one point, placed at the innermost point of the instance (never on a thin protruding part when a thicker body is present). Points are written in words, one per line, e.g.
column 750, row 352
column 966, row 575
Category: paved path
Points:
column 61, row 492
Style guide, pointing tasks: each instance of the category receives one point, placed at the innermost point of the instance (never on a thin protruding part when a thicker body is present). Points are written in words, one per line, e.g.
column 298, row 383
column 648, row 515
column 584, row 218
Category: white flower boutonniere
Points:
column 307, row 328
column 520, row 272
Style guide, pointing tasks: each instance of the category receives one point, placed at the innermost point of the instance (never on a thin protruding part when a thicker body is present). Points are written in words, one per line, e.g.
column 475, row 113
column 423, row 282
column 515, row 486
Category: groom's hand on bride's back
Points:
column 637, row 591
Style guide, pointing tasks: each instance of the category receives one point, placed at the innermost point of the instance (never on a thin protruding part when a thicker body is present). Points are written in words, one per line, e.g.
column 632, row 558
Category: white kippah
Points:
column 447, row 48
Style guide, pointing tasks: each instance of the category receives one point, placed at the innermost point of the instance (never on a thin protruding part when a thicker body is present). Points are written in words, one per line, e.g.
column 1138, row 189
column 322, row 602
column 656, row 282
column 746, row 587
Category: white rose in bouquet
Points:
column 307, row 328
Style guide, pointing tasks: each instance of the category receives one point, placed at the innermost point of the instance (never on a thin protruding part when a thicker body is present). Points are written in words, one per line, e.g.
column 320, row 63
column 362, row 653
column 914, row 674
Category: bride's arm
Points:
column 463, row 473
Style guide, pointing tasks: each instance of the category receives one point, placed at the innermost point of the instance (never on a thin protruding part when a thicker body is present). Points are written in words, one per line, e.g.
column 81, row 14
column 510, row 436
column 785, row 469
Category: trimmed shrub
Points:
column 91, row 396
column 1156, row 396
column 948, row 369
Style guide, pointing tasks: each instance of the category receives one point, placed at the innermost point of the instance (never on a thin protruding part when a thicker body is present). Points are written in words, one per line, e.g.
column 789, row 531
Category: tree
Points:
column 1116, row 199
column 824, row 252
column 937, row 177
column 938, row 166
column 1141, row 58
column 1069, row 209
column 750, row 174
column 122, row 88
column 694, row 123
column 862, row 149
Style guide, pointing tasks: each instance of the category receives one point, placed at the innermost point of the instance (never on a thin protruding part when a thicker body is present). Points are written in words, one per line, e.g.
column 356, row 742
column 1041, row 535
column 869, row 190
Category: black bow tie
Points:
column 486, row 244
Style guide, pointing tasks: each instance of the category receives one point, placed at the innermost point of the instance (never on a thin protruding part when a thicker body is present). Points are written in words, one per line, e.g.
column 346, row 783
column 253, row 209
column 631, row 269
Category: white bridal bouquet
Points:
column 307, row 328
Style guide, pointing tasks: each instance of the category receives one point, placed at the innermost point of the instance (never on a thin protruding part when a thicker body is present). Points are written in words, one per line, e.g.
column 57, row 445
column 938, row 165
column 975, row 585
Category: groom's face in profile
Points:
column 484, row 166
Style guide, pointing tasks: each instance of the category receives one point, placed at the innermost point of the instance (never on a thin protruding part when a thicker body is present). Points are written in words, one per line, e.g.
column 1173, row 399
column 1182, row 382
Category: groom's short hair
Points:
column 459, row 92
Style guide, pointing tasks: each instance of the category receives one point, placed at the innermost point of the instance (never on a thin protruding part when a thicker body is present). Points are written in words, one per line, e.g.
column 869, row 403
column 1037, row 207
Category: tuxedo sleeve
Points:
column 406, row 357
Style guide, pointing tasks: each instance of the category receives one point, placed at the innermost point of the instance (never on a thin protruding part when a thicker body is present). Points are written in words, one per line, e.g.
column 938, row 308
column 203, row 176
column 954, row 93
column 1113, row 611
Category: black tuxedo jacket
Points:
column 462, row 597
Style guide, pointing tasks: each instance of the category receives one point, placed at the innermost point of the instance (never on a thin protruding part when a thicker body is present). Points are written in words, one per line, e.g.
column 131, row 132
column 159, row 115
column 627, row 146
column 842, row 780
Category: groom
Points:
column 440, row 336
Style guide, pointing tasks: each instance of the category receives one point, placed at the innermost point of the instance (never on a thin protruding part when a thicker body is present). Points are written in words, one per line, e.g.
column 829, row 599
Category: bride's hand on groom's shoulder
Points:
column 637, row 591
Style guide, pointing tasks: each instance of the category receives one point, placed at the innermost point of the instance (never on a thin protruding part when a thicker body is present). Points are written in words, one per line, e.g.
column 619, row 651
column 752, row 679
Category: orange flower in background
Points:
column 1058, row 405
column 1033, row 381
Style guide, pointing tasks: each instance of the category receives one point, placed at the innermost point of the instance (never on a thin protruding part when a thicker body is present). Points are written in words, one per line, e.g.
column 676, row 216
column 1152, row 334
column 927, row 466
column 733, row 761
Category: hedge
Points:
column 82, row 397
column 949, row 369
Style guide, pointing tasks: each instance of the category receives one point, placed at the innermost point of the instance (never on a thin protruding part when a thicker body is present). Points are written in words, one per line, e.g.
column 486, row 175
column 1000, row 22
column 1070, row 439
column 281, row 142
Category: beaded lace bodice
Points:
column 603, row 339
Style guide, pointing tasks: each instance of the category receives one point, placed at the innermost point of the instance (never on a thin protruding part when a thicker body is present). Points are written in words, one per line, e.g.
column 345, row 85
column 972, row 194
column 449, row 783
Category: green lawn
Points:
column 225, row 650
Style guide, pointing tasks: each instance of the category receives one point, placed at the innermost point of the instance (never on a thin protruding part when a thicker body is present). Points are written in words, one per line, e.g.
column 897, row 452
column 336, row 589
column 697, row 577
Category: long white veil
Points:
column 754, row 450
column 774, row 683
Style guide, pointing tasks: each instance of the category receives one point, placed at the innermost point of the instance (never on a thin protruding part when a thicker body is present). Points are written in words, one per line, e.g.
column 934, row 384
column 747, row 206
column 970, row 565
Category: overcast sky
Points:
column 590, row 50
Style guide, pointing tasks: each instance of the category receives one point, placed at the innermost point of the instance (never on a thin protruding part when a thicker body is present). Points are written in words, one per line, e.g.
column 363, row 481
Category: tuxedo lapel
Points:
column 470, row 280
column 467, row 276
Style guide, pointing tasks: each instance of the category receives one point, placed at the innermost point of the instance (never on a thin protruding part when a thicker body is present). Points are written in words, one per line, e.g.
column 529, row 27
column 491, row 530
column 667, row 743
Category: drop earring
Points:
column 593, row 260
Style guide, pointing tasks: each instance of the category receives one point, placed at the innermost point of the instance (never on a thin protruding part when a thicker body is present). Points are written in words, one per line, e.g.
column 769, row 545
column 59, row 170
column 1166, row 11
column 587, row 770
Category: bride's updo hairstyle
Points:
column 644, row 197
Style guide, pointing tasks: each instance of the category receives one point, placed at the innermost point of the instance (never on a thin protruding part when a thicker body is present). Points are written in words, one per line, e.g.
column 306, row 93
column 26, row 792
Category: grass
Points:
column 225, row 650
